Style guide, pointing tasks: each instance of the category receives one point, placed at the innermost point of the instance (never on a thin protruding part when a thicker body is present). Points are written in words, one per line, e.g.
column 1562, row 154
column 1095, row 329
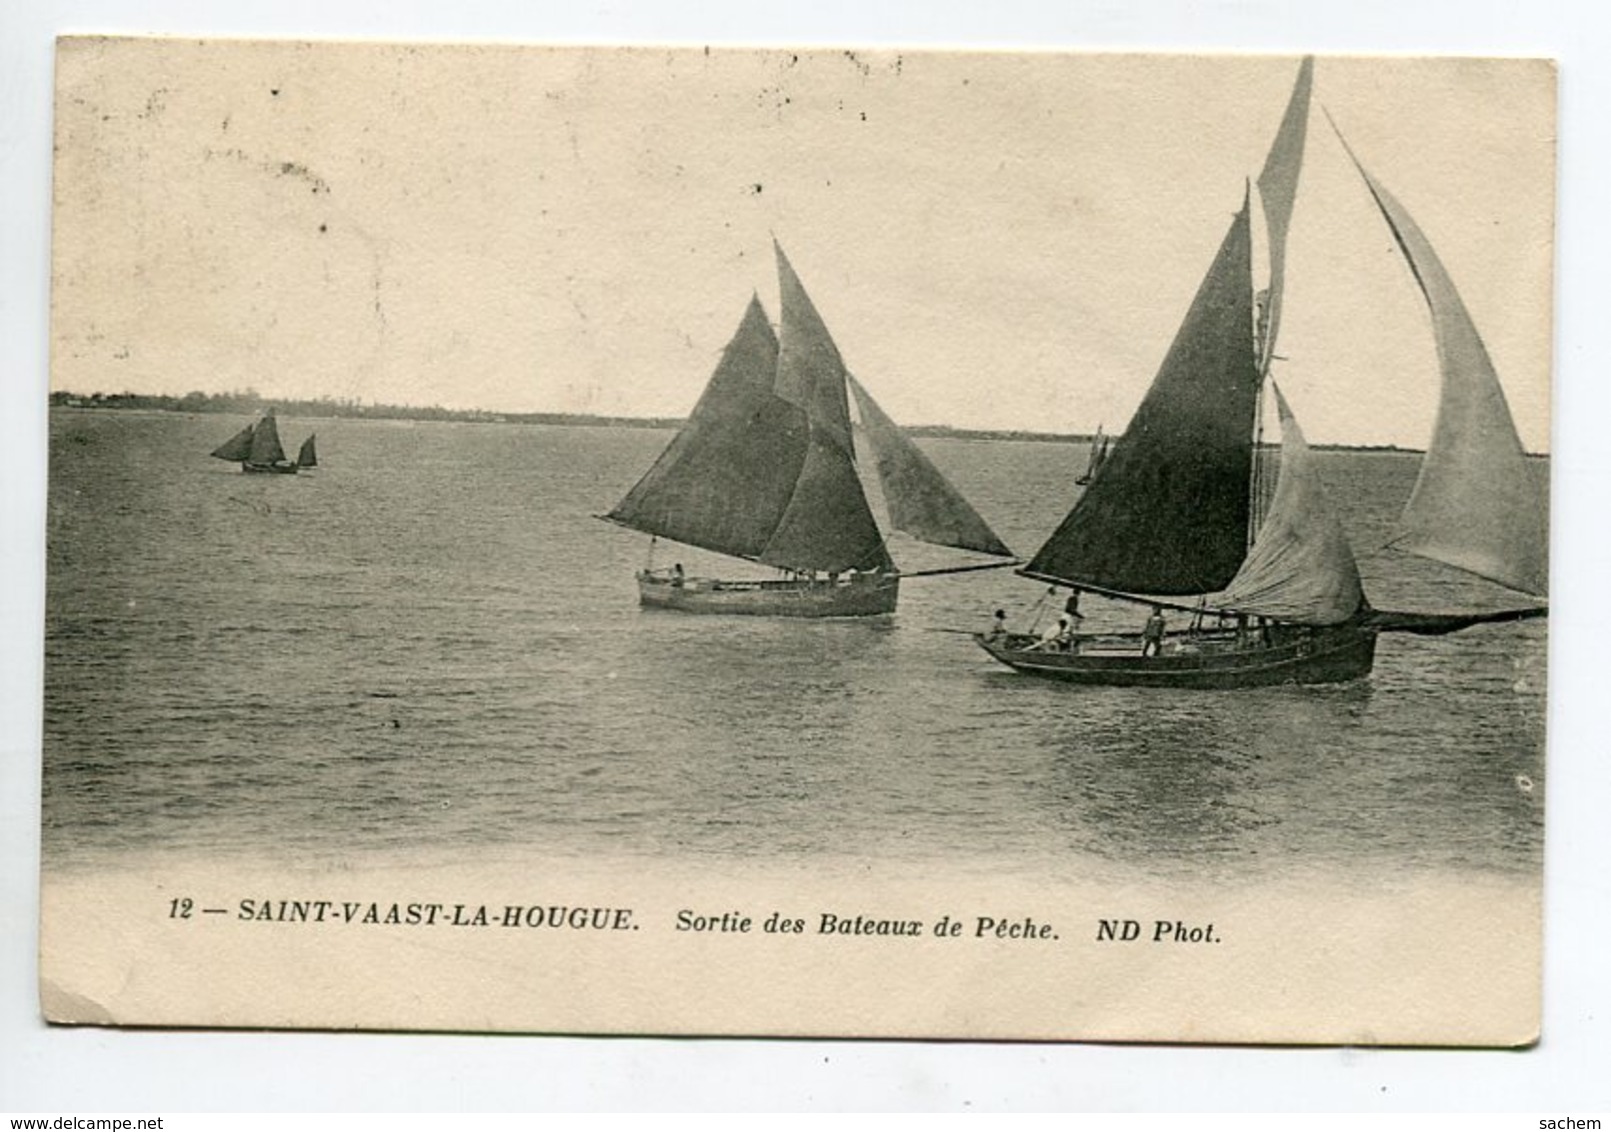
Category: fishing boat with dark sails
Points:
column 765, row 470
column 257, row 449
column 1171, row 518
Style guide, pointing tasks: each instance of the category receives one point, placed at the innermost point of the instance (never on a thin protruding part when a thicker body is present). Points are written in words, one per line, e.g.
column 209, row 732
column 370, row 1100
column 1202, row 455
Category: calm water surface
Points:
column 429, row 645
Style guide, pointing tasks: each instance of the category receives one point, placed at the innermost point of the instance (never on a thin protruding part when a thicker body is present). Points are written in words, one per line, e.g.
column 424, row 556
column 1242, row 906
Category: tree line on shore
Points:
column 249, row 402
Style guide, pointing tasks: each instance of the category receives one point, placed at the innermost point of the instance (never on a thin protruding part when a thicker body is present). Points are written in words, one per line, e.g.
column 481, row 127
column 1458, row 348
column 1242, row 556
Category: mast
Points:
column 1278, row 191
column 1278, row 194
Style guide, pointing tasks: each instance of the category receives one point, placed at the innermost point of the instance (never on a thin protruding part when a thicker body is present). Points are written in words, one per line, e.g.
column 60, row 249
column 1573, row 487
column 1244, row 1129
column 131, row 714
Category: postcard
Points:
column 782, row 542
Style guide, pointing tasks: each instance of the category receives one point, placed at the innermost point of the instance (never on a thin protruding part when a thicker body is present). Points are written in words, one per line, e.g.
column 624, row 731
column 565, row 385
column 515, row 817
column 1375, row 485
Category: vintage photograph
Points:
column 775, row 542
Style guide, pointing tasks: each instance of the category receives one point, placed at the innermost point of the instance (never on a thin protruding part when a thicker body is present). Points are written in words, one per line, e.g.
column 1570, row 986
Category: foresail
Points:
column 725, row 480
column 1168, row 514
column 237, row 447
column 1479, row 503
column 307, row 456
column 266, row 443
column 921, row 501
column 1278, row 190
column 820, row 530
column 1301, row 567
column 827, row 524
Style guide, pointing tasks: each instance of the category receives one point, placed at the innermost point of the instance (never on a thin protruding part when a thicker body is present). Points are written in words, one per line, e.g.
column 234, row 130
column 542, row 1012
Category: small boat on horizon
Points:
column 1099, row 456
column 1173, row 519
column 765, row 470
column 258, row 451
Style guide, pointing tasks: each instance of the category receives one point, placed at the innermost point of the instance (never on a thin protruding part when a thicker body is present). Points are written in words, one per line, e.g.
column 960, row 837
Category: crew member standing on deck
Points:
column 1152, row 634
column 1072, row 607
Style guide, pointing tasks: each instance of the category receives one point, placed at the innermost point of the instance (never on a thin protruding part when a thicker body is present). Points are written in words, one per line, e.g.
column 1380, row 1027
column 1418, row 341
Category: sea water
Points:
column 430, row 646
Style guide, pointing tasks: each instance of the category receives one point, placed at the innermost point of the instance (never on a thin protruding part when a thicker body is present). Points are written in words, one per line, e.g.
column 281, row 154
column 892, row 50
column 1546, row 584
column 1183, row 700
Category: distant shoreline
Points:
column 248, row 404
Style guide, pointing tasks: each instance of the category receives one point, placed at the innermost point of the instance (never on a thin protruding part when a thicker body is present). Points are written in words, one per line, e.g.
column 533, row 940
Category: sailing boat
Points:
column 307, row 456
column 257, row 449
column 1171, row 520
column 1099, row 456
column 765, row 470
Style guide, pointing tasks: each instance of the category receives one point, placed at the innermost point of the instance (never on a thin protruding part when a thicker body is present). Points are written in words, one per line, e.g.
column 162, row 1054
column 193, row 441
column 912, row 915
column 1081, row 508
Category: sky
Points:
column 995, row 239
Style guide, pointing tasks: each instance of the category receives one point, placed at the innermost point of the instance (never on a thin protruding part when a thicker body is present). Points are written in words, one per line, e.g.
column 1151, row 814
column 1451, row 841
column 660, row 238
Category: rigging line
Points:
column 959, row 569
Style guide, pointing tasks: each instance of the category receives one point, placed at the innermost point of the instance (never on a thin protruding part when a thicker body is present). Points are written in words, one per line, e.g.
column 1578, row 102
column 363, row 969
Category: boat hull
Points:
column 269, row 469
column 863, row 596
column 1292, row 655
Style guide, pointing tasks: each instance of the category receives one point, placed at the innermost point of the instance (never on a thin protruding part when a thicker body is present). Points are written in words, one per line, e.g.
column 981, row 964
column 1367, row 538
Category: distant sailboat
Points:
column 307, row 456
column 1171, row 516
column 1099, row 456
column 257, row 449
column 765, row 470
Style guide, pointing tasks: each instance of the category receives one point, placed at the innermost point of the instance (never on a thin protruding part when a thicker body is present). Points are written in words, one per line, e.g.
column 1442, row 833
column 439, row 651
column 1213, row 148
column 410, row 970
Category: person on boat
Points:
column 1072, row 606
column 998, row 627
column 677, row 576
column 1058, row 638
column 1152, row 634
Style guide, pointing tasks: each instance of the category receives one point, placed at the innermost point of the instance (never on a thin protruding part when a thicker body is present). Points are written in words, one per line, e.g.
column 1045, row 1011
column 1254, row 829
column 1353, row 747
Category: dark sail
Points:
column 828, row 524
column 237, row 447
column 266, row 443
column 810, row 372
column 1278, row 190
column 921, row 501
column 1479, row 504
column 726, row 479
column 307, row 456
column 1169, row 512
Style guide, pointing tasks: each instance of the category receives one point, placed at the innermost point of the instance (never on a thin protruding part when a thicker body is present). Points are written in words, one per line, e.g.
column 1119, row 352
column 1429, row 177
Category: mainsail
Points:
column 265, row 449
column 1169, row 513
column 726, row 479
column 237, row 447
column 1479, row 504
column 1301, row 568
column 827, row 524
column 921, row 501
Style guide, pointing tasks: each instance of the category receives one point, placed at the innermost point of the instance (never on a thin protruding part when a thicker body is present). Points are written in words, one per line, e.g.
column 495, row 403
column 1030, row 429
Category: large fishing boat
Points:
column 765, row 470
column 257, row 449
column 1171, row 519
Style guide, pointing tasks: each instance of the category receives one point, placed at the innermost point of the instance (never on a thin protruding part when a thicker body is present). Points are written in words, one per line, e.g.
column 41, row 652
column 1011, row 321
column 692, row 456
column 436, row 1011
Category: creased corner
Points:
column 69, row 1008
